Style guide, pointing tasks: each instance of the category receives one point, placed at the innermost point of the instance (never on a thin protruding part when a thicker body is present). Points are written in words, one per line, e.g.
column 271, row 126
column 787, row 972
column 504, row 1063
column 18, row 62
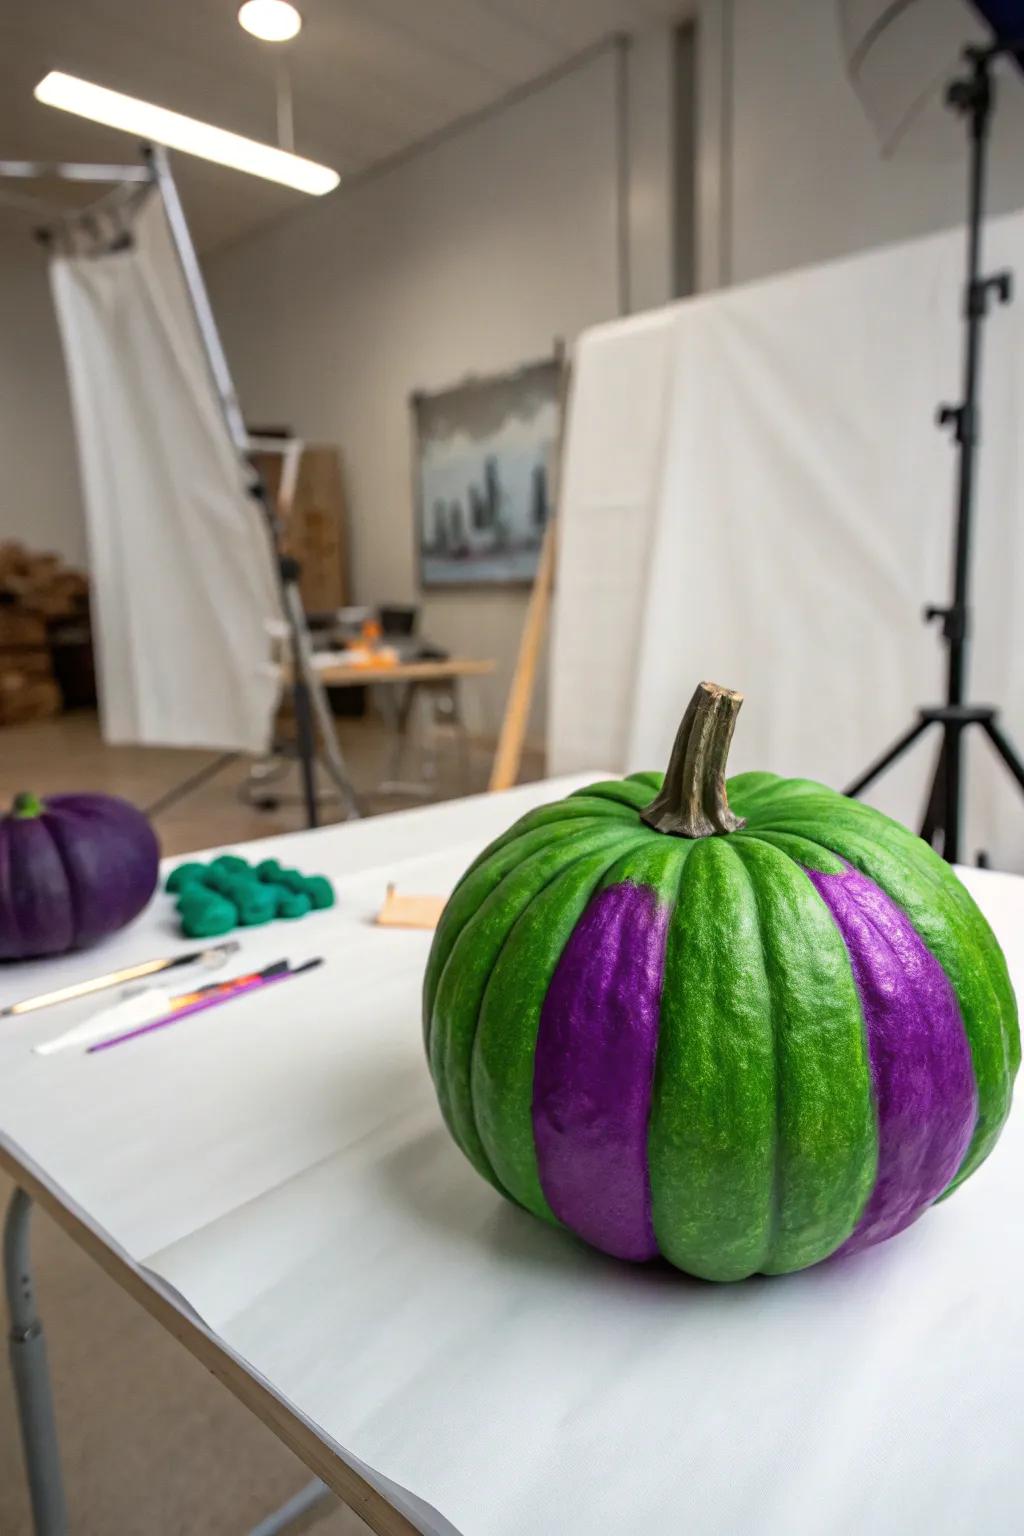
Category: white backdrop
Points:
column 755, row 492
column 180, row 564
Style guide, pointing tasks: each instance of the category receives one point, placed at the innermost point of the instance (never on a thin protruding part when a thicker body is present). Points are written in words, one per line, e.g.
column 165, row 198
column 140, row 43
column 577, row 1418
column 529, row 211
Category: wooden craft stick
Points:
column 410, row 911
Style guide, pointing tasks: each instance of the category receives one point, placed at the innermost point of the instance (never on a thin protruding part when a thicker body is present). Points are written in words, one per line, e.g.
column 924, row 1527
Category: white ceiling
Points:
column 369, row 77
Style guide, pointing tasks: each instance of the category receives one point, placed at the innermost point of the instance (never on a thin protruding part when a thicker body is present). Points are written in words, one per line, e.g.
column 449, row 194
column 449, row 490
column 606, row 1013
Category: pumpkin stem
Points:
column 26, row 806
column 692, row 801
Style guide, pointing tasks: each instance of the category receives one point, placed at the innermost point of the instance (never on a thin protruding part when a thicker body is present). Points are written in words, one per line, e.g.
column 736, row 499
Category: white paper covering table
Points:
column 280, row 1165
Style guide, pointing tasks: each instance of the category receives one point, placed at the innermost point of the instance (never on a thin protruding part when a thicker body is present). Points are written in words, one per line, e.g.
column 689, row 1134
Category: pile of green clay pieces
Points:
column 231, row 893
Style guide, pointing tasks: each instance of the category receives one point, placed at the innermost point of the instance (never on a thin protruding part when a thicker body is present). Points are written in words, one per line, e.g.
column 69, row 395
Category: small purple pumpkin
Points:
column 73, row 869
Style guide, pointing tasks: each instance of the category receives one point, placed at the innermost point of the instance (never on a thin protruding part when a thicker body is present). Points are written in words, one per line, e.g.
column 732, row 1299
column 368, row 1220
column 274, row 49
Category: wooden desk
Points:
column 443, row 676
column 338, row 675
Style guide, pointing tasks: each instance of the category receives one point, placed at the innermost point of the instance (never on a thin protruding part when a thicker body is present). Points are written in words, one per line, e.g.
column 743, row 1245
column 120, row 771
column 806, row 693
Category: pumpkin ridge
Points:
column 994, row 1099
column 445, row 938
column 952, row 892
column 604, row 810
column 530, row 1193
column 923, row 998
column 513, row 870
column 441, row 1070
column 778, row 793
column 775, row 1202
column 595, row 1054
column 48, row 820
column 822, row 1185
column 626, row 792
column 709, row 1171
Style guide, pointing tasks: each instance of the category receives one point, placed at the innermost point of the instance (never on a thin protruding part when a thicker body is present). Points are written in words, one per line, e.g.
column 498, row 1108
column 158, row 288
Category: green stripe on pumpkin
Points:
column 655, row 861
column 548, row 815
column 827, row 1145
column 749, row 792
column 802, row 851
column 620, row 792
column 506, row 1036
column 711, row 1136
column 650, row 780
column 484, row 876
column 781, row 1096
column 946, row 917
column 463, row 981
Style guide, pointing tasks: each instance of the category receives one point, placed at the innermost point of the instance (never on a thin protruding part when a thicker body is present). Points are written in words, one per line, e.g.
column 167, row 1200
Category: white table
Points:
column 272, row 1181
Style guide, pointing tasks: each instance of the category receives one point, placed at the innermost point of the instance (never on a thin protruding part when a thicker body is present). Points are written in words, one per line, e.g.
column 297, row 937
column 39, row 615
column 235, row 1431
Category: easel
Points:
column 508, row 755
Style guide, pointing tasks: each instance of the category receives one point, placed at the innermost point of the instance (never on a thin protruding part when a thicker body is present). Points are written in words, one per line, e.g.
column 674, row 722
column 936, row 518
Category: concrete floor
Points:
column 151, row 1444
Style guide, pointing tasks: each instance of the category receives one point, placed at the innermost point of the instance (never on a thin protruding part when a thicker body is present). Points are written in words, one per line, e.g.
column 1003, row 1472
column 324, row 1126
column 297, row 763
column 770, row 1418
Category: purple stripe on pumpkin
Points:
column 925, row 1094
column 594, row 1072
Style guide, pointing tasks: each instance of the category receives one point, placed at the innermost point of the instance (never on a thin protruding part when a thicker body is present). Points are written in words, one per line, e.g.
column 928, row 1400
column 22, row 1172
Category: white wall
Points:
column 39, row 498
column 468, row 256
column 790, row 171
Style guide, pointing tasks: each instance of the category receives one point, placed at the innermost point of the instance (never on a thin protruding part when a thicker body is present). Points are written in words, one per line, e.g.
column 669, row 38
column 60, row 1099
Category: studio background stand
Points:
column 125, row 185
column 973, row 97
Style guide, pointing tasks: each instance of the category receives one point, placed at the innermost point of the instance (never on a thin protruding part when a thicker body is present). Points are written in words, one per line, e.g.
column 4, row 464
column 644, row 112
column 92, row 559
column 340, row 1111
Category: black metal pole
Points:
column 303, row 710
column 973, row 96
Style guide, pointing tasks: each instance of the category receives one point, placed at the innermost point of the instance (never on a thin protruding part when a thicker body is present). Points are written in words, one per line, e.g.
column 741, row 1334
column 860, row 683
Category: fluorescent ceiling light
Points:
column 274, row 21
column 185, row 133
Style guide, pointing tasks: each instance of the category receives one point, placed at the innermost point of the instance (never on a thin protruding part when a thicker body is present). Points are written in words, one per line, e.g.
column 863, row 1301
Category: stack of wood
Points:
column 35, row 590
column 314, row 525
column 41, row 583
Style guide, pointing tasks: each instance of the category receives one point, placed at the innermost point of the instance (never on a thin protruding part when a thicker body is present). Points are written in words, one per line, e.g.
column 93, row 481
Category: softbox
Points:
column 183, row 582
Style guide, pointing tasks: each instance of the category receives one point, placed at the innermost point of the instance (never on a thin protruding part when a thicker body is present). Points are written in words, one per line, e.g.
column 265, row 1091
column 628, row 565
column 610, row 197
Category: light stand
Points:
column 972, row 96
column 287, row 569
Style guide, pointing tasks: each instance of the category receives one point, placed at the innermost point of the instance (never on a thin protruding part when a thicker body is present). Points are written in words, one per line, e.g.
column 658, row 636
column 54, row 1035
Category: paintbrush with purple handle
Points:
column 213, row 1001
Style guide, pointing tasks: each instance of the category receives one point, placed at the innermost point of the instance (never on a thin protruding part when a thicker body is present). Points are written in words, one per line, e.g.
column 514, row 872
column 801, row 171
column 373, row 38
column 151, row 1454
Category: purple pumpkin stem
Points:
column 26, row 805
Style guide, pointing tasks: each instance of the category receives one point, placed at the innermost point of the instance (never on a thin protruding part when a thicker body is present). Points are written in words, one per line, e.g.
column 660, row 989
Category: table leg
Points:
column 32, row 1376
column 399, row 707
column 306, row 1499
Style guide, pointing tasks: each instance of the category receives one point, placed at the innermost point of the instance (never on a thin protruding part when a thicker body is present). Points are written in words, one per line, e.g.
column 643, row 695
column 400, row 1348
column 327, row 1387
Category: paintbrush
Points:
column 212, row 1000
column 215, row 955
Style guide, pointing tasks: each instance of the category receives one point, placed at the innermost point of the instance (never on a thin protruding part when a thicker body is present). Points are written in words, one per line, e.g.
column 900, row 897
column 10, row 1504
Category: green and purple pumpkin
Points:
column 743, row 1027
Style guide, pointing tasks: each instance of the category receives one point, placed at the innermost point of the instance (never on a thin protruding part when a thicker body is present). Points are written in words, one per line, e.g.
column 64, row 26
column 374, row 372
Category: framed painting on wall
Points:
column 484, row 452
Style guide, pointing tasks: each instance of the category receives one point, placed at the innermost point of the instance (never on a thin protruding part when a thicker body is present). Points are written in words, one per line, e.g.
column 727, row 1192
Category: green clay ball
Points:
column 184, row 875
column 232, row 863
column 228, row 881
column 214, row 916
column 291, row 879
column 238, row 888
column 194, row 898
column 320, row 892
column 292, row 903
column 256, row 905
column 268, row 870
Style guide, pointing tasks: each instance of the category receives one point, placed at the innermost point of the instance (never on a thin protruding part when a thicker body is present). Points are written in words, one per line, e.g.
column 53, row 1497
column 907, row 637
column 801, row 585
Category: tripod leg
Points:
column 1005, row 750
column 306, row 745
column 936, row 806
column 952, row 773
column 881, row 763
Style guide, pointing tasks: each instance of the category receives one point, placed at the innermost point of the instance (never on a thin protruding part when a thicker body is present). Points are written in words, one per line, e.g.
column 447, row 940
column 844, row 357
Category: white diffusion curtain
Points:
column 182, row 576
column 756, row 492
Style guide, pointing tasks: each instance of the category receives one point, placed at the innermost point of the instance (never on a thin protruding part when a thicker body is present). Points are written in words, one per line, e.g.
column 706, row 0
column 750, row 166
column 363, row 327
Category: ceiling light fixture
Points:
column 273, row 21
column 185, row 133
